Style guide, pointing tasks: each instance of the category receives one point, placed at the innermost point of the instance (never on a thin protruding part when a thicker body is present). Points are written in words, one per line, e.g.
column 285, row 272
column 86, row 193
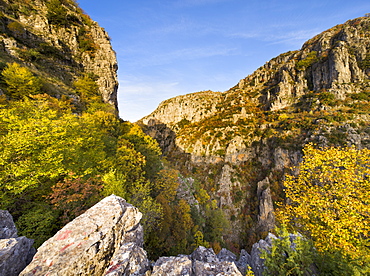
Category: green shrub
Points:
column 362, row 96
column 327, row 98
column 308, row 61
column 29, row 54
column 288, row 257
column 365, row 63
column 16, row 28
column 39, row 223
column 57, row 13
column 86, row 42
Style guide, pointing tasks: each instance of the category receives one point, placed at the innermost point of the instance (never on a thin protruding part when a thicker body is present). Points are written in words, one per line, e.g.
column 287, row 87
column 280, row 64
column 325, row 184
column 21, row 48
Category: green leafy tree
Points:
column 199, row 240
column 86, row 42
column 40, row 145
column 88, row 90
column 148, row 147
column 166, row 184
column 20, row 81
column 126, row 178
column 39, row 222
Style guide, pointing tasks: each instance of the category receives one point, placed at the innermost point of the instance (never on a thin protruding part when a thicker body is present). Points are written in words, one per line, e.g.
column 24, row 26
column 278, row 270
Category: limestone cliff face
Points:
column 188, row 108
column 56, row 40
column 244, row 140
column 334, row 60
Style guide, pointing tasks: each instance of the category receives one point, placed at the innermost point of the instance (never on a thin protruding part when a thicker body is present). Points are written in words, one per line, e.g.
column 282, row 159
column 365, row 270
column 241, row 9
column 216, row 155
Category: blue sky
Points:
column 167, row 48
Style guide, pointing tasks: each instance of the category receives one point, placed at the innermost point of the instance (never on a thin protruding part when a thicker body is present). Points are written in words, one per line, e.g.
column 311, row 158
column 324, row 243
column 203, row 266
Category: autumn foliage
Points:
column 329, row 200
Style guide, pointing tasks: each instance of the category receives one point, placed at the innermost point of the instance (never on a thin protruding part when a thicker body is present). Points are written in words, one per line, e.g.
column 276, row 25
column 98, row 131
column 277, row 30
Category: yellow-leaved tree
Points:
column 20, row 81
column 329, row 200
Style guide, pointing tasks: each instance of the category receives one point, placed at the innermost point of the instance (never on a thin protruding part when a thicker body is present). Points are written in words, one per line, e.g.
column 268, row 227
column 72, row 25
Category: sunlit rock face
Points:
column 88, row 244
column 59, row 52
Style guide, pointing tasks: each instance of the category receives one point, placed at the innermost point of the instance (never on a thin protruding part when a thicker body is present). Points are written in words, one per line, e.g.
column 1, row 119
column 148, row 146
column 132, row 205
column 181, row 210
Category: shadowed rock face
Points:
column 7, row 227
column 15, row 252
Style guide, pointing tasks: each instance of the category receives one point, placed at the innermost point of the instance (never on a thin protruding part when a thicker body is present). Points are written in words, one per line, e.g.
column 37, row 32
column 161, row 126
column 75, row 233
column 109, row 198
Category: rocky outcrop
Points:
column 92, row 242
column 181, row 265
column 203, row 261
column 130, row 259
column 266, row 217
column 15, row 252
column 256, row 262
column 59, row 50
column 7, row 226
column 107, row 240
column 188, row 108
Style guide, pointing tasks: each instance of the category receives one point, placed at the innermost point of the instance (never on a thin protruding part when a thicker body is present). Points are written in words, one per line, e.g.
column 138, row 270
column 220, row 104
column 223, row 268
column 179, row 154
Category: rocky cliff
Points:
column 240, row 143
column 59, row 43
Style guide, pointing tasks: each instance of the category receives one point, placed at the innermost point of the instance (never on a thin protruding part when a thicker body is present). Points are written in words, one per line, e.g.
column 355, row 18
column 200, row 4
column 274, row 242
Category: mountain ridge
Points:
column 241, row 142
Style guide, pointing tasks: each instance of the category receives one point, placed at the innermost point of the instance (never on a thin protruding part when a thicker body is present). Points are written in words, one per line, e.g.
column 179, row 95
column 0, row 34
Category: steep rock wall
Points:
column 58, row 49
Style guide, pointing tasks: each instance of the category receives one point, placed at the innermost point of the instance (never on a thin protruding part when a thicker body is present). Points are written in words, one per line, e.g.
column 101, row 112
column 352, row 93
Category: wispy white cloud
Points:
column 292, row 37
column 180, row 25
column 245, row 35
column 200, row 52
column 273, row 36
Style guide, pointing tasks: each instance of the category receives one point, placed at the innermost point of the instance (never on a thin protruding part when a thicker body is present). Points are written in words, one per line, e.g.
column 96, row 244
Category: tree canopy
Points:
column 329, row 200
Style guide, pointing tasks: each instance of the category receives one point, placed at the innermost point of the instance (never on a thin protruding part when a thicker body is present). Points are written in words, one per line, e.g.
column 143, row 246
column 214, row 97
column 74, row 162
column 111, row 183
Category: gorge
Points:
column 205, row 171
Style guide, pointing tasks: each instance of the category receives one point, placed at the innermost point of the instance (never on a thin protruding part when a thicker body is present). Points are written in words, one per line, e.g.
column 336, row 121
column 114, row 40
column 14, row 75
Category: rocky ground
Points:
column 108, row 240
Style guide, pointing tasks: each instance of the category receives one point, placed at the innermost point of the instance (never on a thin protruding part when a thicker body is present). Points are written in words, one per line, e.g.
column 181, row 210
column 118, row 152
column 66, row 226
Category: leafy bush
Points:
column 86, row 42
column 288, row 256
column 38, row 223
column 57, row 13
column 362, row 96
column 308, row 61
column 29, row 54
column 16, row 28
column 365, row 63
column 20, row 81
column 327, row 98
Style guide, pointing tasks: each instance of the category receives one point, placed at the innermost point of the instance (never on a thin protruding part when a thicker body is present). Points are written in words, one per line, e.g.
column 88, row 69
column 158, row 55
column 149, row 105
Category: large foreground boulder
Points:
column 131, row 259
column 181, row 265
column 89, row 244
